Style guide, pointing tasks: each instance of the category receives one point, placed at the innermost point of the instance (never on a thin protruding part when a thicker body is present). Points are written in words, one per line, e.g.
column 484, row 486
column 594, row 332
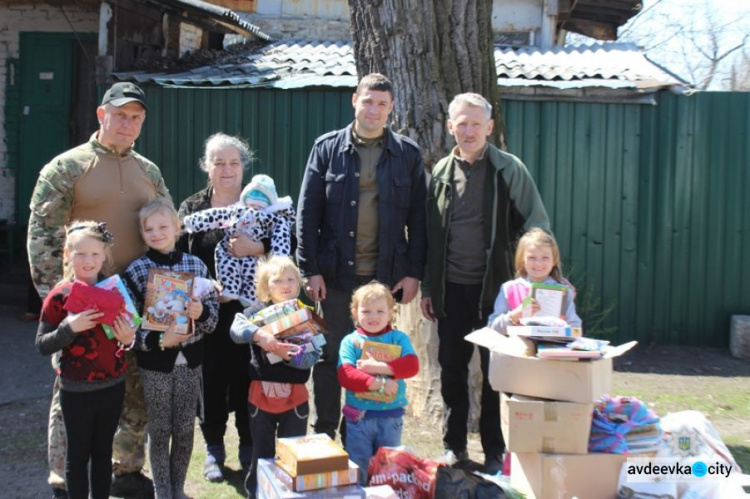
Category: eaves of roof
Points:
column 300, row 64
column 227, row 18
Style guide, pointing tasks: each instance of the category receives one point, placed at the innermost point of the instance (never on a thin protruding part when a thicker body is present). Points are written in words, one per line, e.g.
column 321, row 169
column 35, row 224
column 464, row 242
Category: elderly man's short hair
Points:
column 472, row 100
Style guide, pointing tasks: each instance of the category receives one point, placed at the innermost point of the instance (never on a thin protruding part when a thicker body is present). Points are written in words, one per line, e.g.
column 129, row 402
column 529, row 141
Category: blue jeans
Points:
column 365, row 437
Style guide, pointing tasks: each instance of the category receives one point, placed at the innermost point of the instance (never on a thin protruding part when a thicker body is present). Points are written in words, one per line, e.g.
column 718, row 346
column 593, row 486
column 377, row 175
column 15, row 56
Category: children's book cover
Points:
column 550, row 297
column 276, row 311
column 114, row 283
column 167, row 298
column 301, row 321
column 384, row 352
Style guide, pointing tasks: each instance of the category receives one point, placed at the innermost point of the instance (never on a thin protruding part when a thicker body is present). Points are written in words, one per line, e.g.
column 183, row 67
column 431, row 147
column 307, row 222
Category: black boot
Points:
column 132, row 485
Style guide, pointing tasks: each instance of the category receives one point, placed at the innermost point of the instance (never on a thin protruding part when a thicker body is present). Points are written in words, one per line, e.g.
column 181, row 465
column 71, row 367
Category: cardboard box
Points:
column 513, row 369
column 537, row 425
column 564, row 476
column 546, row 331
column 311, row 454
column 270, row 487
column 302, row 483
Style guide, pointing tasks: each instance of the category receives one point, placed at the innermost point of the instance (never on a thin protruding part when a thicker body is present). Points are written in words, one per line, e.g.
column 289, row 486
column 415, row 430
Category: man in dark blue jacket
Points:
column 361, row 216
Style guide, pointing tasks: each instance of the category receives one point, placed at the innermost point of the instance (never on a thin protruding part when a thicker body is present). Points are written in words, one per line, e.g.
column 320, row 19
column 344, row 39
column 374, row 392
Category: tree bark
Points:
column 431, row 50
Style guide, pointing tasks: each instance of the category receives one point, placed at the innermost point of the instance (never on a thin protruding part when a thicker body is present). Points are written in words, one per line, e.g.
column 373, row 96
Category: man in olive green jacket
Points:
column 480, row 201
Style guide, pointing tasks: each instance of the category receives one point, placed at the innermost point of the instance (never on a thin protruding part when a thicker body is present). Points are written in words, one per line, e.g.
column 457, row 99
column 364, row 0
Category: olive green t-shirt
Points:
column 369, row 150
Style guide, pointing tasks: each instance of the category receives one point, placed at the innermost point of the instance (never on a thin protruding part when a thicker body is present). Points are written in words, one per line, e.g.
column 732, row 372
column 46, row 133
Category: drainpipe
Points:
column 548, row 35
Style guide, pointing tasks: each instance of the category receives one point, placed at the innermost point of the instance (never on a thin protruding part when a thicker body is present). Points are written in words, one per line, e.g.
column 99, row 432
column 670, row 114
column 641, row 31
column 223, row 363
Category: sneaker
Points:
column 458, row 459
column 212, row 470
column 462, row 459
column 493, row 464
column 134, row 484
column 59, row 493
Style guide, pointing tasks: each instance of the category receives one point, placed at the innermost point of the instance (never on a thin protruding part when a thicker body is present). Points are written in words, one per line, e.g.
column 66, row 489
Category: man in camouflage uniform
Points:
column 103, row 180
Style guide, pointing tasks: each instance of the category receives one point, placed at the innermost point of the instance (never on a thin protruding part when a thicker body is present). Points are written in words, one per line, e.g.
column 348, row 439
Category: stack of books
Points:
column 548, row 325
column 564, row 349
column 292, row 322
column 311, row 466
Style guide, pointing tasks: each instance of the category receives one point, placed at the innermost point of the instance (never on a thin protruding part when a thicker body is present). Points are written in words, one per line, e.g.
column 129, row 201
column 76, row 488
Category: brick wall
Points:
column 286, row 28
column 16, row 18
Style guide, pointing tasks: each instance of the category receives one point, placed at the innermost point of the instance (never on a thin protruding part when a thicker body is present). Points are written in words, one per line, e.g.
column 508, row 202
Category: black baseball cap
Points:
column 123, row 92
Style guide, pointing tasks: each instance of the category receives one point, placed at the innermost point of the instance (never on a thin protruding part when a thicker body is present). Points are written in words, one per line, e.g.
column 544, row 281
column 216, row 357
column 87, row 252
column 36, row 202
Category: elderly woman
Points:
column 225, row 376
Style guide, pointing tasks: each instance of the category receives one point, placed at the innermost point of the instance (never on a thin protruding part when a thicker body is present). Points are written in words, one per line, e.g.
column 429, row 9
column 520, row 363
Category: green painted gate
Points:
column 51, row 105
column 648, row 202
column 46, row 74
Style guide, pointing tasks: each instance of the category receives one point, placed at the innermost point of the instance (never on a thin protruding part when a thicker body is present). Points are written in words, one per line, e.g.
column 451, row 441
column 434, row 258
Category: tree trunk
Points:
column 431, row 50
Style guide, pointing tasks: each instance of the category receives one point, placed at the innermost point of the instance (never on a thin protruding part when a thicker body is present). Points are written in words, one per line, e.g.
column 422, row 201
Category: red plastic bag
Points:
column 411, row 477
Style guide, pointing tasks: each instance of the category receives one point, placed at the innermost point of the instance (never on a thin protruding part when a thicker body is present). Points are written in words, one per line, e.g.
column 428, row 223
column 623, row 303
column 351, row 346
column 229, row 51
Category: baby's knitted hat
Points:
column 261, row 191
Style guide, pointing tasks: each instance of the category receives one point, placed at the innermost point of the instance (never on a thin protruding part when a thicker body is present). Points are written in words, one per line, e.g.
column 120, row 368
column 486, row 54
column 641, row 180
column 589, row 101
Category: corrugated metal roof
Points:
column 227, row 19
column 297, row 64
column 611, row 65
column 286, row 64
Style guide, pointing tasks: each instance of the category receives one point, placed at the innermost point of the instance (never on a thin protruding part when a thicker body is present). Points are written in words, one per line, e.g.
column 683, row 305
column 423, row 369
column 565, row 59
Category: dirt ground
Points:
column 26, row 380
column 682, row 361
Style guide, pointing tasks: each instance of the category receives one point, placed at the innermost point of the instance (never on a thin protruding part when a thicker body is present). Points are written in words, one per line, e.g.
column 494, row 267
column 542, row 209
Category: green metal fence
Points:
column 650, row 206
column 280, row 127
column 648, row 202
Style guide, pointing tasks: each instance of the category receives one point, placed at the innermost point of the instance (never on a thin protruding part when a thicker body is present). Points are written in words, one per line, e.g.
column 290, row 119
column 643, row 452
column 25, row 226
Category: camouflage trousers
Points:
column 128, row 450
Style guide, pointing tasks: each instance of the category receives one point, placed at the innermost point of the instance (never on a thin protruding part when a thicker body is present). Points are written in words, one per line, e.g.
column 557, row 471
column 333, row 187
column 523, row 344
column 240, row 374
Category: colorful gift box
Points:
column 276, row 311
column 298, row 322
column 270, row 486
column 314, row 481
